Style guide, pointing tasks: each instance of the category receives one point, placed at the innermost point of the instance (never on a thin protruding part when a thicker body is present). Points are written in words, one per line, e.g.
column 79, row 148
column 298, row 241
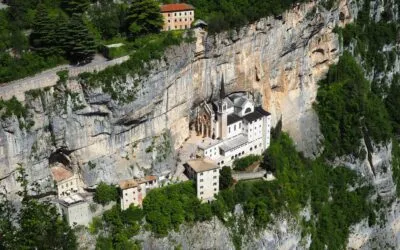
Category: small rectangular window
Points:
column 214, row 184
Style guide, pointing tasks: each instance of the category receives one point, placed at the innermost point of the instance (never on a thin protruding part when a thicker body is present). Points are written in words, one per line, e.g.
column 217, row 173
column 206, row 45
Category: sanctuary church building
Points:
column 232, row 127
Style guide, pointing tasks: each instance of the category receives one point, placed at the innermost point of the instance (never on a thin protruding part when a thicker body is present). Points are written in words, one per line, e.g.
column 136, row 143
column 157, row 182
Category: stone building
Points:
column 177, row 16
column 67, row 182
column 206, row 175
column 231, row 127
column 75, row 208
column 134, row 191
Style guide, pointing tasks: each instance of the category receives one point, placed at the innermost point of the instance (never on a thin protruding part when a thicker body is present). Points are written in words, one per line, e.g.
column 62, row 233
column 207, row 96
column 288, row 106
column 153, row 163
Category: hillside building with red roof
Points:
column 177, row 16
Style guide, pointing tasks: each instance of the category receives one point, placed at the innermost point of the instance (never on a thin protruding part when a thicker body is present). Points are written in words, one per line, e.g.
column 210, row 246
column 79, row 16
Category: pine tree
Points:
column 74, row 6
column 61, row 34
column 144, row 17
column 81, row 45
column 42, row 36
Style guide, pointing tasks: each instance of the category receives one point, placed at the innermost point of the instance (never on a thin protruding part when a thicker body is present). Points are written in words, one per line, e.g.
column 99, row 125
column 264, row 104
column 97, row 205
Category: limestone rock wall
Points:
column 281, row 58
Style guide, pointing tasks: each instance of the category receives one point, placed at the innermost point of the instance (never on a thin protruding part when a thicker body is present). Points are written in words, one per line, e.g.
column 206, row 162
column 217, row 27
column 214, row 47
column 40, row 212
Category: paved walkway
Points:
column 49, row 77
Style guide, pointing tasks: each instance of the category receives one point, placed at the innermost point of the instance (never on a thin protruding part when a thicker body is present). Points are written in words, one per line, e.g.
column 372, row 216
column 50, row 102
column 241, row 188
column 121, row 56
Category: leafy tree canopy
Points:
column 105, row 193
column 225, row 178
column 348, row 111
column 36, row 225
column 144, row 17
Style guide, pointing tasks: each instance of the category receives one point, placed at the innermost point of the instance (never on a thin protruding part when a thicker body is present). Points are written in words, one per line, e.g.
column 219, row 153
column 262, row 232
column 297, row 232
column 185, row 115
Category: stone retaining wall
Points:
column 240, row 176
column 49, row 78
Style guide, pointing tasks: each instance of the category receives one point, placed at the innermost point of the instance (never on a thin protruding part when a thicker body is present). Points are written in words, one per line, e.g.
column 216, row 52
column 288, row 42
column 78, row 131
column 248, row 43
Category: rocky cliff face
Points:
column 281, row 58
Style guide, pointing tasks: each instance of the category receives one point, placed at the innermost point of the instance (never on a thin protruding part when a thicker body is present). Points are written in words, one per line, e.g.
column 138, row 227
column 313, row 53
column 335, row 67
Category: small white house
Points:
column 134, row 191
column 206, row 175
column 75, row 208
column 67, row 182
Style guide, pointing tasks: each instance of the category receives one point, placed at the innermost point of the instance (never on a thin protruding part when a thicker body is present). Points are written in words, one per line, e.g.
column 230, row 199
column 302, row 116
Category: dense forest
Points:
column 37, row 35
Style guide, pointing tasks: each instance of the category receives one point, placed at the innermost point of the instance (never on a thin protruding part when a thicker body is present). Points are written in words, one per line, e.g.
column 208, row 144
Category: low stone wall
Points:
column 49, row 78
column 240, row 176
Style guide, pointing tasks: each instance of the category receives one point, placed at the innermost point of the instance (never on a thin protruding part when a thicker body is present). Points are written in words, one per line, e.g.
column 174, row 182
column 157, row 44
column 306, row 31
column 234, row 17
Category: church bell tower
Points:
column 222, row 112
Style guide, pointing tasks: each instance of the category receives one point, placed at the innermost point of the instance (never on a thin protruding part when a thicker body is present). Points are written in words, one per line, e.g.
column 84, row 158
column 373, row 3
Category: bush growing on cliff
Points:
column 105, row 193
column 166, row 208
column 392, row 102
column 231, row 14
column 12, row 107
column 119, row 227
column 347, row 109
column 334, row 208
column 145, row 49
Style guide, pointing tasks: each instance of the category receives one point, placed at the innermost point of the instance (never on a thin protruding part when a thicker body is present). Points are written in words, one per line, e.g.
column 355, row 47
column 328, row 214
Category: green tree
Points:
column 19, row 12
column 144, row 17
column 108, row 18
column 225, row 178
column 267, row 162
column 42, row 38
column 348, row 110
column 392, row 103
column 4, row 31
column 36, row 225
column 61, row 33
column 75, row 6
column 105, row 193
column 81, row 45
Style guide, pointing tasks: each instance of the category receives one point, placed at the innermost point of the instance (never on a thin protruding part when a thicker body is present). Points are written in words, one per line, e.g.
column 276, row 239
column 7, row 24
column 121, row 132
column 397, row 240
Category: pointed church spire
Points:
column 222, row 89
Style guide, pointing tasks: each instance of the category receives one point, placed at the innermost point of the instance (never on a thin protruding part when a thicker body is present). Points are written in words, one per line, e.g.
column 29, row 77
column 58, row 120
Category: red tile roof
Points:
column 60, row 173
column 176, row 7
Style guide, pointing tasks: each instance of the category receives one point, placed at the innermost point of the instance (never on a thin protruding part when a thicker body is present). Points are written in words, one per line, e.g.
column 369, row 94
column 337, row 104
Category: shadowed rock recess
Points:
column 280, row 59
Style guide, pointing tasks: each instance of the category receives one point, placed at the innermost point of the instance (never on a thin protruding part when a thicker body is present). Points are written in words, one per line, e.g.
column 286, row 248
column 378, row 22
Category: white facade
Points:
column 69, row 186
column 206, row 175
column 247, row 130
column 134, row 191
column 68, row 183
column 76, row 210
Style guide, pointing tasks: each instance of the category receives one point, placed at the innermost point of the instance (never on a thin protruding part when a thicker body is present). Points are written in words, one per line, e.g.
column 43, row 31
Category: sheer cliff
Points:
column 281, row 59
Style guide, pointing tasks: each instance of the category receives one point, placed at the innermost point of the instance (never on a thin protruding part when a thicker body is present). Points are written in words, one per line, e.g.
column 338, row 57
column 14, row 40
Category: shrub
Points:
column 242, row 163
column 348, row 110
column 225, row 178
column 105, row 193
column 166, row 208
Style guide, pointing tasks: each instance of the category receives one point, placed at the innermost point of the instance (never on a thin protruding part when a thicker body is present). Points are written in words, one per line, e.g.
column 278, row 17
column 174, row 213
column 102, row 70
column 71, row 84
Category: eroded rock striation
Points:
column 280, row 58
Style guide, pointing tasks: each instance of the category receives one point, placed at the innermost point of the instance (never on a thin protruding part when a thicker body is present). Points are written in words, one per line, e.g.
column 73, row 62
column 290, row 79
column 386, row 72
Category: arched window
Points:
column 248, row 110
